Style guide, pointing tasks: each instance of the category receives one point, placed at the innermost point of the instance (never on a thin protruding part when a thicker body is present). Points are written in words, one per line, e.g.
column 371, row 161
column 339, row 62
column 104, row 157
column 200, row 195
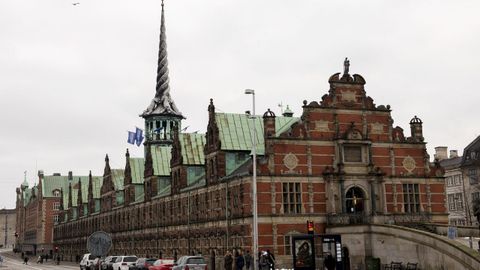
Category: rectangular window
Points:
column 472, row 174
column 449, row 181
column 411, row 198
column 288, row 244
column 292, row 198
column 459, row 201
column 451, row 202
column 457, row 180
column 56, row 206
column 352, row 153
column 55, row 219
column 475, row 195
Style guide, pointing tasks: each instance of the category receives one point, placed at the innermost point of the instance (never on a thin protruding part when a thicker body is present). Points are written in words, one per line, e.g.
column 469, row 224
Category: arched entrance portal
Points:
column 354, row 200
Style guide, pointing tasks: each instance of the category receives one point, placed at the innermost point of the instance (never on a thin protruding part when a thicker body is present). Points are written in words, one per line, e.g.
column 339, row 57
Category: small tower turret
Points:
column 416, row 129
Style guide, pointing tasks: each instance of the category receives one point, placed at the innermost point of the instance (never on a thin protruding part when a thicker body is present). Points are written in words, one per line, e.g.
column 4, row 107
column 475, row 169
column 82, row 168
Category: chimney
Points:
column 269, row 124
column 40, row 173
column 70, row 176
column 416, row 129
column 441, row 152
column 57, row 174
column 453, row 153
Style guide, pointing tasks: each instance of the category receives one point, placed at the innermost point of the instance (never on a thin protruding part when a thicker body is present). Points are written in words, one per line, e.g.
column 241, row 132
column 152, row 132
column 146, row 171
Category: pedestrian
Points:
column 239, row 261
column 263, row 261
column 248, row 260
column 329, row 262
column 271, row 260
column 1, row 261
column 58, row 259
column 25, row 259
column 23, row 255
column 228, row 260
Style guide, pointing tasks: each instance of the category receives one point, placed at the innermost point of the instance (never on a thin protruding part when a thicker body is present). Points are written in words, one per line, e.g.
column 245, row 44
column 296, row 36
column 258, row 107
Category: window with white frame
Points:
column 56, row 219
column 292, row 198
column 451, row 202
column 458, row 180
column 411, row 198
column 458, row 201
column 56, row 206
column 56, row 193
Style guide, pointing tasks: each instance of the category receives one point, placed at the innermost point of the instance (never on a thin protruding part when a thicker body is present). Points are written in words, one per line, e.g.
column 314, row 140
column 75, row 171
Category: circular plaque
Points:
column 409, row 164
column 99, row 243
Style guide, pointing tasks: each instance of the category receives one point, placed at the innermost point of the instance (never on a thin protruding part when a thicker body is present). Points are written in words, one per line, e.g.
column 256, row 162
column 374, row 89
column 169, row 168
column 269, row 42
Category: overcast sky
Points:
column 74, row 78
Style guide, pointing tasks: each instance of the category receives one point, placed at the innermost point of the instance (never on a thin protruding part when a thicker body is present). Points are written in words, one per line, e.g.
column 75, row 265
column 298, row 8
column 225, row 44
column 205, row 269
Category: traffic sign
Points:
column 99, row 243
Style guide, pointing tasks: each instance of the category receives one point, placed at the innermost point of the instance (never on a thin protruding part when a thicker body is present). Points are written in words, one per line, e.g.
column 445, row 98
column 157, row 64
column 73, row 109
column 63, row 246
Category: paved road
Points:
column 12, row 261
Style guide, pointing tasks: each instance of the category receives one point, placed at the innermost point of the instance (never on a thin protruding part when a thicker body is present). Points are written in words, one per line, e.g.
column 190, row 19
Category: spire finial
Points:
column 162, row 103
column 346, row 66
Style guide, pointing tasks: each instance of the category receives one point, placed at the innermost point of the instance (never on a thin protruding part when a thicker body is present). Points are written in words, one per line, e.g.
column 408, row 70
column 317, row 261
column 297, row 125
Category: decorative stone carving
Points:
column 377, row 128
column 349, row 96
column 321, row 125
column 409, row 164
column 290, row 161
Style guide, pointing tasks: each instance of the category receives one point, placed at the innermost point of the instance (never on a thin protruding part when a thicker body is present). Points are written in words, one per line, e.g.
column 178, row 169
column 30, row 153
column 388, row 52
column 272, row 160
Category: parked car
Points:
column 143, row 263
column 162, row 264
column 190, row 263
column 108, row 262
column 124, row 262
column 88, row 261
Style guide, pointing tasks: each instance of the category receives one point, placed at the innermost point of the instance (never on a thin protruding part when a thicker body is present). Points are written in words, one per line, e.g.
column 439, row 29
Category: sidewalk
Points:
column 32, row 259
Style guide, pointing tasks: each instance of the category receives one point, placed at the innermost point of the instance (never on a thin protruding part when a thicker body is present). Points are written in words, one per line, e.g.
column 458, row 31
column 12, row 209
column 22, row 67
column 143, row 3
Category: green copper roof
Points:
column 97, row 185
column 117, row 178
column 235, row 130
column 137, row 165
column 50, row 183
column 192, row 148
column 161, row 156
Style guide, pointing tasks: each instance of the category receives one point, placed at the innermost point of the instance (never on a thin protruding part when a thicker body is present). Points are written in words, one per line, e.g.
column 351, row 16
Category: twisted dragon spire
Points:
column 162, row 103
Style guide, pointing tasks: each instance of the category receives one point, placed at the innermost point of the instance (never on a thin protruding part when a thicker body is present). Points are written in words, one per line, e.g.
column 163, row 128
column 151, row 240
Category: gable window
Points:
column 56, row 206
column 292, row 199
column 352, row 153
column 56, row 193
column 411, row 198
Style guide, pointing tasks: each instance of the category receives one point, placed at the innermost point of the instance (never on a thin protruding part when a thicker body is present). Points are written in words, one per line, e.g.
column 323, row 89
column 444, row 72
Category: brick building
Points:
column 341, row 162
column 39, row 208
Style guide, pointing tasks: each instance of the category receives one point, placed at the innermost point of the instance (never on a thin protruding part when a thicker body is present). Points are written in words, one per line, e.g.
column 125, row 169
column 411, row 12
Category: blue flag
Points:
column 139, row 136
column 131, row 137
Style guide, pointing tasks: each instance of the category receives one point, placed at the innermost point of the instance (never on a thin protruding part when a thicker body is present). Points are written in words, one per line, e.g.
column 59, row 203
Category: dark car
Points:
column 142, row 264
column 108, row 262
column 190, row 263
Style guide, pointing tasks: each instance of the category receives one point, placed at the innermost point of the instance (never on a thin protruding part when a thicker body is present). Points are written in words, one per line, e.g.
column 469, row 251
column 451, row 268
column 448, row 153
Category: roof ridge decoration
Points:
column 162, row 103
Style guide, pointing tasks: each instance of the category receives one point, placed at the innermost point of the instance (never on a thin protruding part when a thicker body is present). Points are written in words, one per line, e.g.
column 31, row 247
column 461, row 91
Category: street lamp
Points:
column 254, row 181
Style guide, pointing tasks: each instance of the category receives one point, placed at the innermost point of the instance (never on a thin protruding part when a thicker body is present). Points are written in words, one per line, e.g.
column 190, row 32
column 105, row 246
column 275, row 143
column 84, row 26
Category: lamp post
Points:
column 254, row 182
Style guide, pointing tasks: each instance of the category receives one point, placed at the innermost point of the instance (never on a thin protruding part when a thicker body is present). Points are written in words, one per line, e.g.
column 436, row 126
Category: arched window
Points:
column 354, row 200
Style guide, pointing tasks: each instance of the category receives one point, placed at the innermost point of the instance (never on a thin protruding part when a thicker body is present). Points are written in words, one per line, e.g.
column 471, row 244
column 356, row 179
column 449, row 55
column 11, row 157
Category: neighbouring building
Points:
column 7, row 228
column 341, row 161
column 39, row 208
column 462, row 182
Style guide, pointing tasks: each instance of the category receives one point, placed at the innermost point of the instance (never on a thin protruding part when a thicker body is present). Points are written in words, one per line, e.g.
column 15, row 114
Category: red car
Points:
column 162, row 264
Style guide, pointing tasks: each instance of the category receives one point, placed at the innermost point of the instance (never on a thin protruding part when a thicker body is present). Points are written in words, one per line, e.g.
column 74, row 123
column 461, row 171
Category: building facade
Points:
column 341, row 162
column 7, row 228
column 38, row 209
column 462, row 182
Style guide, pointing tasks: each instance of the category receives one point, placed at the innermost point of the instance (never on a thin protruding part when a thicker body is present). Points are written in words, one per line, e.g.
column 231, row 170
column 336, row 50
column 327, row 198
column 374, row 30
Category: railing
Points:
column 348, row 219
column 421, row 217
column 364, row 218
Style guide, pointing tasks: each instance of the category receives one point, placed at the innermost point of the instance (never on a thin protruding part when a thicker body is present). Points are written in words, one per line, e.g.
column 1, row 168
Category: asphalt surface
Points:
column 13, row 261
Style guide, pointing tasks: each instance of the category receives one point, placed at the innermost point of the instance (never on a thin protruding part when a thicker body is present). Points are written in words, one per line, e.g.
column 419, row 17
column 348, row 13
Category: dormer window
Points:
column 56, row 193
